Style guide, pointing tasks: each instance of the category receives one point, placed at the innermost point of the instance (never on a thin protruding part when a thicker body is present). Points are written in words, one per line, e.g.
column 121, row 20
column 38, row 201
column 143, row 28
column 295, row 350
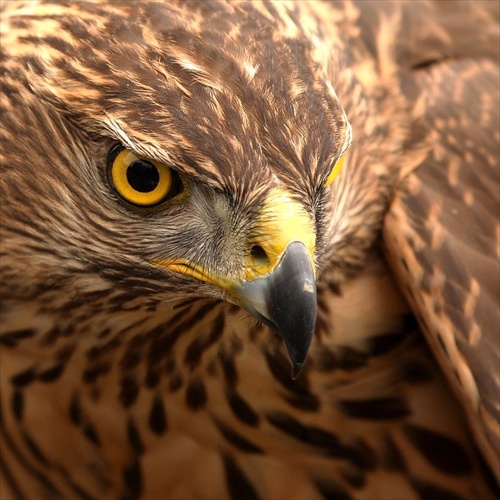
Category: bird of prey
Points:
column 250, row 250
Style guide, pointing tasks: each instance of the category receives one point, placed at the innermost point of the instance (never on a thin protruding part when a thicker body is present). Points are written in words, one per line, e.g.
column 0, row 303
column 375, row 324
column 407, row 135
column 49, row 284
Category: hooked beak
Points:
column 285, row 300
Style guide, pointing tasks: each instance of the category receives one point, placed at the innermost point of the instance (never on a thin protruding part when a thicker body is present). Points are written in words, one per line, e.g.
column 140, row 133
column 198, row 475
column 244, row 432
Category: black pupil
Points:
column 143, row 176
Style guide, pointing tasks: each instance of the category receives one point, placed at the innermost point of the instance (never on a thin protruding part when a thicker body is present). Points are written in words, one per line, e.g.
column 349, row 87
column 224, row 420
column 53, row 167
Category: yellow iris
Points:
column 139, row 180
column 335, row 171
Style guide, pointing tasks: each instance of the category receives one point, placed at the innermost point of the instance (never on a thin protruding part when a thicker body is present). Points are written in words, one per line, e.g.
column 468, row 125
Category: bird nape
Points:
column 250, row 250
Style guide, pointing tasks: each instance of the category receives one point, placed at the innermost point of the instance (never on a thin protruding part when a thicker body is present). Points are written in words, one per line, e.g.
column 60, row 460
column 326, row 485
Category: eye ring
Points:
column 139, row 180
column 337, row 167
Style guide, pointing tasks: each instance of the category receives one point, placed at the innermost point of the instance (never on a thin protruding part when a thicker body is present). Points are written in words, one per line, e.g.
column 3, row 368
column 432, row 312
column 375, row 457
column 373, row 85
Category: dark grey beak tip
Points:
column 296, row 369
column 286, row 300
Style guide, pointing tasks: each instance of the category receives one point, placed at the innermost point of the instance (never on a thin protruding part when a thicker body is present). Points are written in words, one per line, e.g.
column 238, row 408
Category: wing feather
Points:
column 442, row 234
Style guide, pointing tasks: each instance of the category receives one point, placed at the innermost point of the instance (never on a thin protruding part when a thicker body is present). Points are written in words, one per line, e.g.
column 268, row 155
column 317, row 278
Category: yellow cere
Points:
column 282, row 221
column 152, row 196
column 335, row 171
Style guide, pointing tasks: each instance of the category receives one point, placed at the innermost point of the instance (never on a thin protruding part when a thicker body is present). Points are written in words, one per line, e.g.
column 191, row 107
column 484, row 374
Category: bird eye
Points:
column 141, row 181
column 335, row 171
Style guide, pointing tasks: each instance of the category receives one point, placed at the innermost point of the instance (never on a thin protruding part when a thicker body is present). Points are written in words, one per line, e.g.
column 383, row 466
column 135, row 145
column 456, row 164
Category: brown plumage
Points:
column 130, row 365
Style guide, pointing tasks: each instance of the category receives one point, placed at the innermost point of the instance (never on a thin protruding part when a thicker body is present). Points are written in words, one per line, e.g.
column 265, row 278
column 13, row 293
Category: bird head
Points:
column 173, row 158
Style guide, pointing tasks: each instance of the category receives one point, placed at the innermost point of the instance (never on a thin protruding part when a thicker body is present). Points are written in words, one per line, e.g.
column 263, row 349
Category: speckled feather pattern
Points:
column 120, row 379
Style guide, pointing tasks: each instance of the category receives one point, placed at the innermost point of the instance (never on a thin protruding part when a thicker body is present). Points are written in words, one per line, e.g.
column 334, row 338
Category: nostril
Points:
column 259, row 255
